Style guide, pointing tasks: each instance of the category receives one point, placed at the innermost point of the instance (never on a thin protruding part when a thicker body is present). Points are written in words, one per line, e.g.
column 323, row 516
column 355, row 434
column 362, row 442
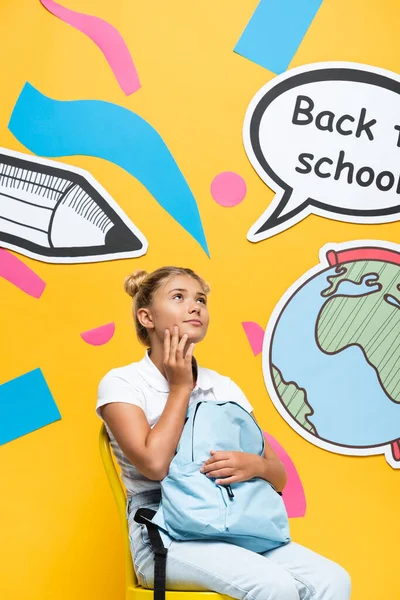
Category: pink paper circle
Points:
column 228, row 188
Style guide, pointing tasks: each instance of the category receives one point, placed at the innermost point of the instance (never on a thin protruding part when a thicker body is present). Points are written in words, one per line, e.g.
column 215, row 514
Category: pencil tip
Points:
column 122, row 239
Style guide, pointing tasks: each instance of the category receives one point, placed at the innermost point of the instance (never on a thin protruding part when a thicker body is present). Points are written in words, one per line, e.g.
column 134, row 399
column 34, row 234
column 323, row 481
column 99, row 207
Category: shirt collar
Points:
column 150, row 373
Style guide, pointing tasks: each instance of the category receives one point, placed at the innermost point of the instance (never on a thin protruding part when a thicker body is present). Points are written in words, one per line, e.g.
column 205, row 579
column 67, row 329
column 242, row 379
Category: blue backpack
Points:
column 250, row 514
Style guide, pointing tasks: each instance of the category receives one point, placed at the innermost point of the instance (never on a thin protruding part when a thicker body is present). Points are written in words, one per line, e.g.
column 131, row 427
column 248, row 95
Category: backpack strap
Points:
column 144, row 517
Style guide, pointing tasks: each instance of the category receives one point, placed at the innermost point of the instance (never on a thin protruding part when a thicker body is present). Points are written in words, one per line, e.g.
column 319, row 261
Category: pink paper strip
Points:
column 255, row 335
column 107, row 38
column 293, row 494
column 19, row 274
column 99, row 335
column 335, row 258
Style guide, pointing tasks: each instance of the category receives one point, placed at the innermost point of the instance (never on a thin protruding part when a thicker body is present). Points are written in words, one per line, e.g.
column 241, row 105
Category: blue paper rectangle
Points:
column 26, row 404
column 275, row 31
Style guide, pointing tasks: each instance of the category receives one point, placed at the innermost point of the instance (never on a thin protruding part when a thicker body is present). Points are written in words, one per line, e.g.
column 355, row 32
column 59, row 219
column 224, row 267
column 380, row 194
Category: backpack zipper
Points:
column 223, row 512
column 230, row 493
column 194, row 418
column 228, row 488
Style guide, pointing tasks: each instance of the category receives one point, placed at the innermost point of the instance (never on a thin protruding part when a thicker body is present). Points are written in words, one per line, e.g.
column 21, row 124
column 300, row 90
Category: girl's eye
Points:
column 180, row 296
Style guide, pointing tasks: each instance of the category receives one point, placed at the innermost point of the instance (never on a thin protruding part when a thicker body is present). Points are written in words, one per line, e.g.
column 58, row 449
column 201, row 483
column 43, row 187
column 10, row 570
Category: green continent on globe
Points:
column 369, row 320
column 294, row 399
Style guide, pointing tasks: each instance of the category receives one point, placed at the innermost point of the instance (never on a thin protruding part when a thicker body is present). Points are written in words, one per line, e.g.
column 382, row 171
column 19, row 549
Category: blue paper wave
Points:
column 56, row 128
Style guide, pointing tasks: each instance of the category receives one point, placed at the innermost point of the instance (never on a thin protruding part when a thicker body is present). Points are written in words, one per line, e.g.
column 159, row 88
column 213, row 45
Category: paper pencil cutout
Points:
column 59, row 213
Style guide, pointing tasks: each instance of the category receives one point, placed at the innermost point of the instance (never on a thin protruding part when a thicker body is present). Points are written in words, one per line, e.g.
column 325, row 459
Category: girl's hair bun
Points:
column 133, row 282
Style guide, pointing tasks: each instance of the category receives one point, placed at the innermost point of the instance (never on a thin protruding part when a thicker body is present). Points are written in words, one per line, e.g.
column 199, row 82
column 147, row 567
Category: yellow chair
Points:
column 134, row 591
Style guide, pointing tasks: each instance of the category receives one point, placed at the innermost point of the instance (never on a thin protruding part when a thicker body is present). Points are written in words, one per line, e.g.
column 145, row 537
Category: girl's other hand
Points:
column 231, row 466
column 178, row 364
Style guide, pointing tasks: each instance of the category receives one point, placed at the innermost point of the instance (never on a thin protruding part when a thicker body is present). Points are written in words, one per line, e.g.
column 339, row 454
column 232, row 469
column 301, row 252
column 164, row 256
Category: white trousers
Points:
column 291, row 572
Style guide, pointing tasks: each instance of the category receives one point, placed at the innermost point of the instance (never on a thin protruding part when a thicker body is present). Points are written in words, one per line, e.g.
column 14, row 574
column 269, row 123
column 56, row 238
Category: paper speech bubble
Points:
column 326, row 138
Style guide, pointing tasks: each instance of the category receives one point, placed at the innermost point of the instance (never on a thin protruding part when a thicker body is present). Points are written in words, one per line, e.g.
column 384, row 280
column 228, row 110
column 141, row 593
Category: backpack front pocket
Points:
column 190, row 500
column 257, row 510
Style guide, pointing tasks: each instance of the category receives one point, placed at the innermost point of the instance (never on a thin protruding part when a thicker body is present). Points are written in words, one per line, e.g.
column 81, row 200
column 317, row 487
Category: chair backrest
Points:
column 119, row 493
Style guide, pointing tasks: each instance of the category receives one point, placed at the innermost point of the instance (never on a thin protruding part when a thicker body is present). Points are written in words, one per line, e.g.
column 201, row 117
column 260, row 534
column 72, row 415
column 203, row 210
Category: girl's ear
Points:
column 145, row 318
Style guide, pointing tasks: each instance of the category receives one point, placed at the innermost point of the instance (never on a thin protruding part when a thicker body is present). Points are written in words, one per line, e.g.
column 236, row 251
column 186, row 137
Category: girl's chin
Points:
column 194, row 335
column 193, row 338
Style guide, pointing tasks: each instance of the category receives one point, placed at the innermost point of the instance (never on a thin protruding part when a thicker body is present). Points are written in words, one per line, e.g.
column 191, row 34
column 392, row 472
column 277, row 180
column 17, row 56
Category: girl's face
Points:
column 180, row 301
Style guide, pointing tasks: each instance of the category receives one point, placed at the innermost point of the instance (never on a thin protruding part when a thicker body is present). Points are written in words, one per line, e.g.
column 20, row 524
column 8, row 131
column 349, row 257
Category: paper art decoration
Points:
column 293, row 495
column 16, row 272
column 255, row 335
column 100, row 335
column 26, row 404
column 107, row 38
column 59, row 213
column 228, row 189
column 325, row 138
column 275, row 32
column 331, row 353
column 96, row 128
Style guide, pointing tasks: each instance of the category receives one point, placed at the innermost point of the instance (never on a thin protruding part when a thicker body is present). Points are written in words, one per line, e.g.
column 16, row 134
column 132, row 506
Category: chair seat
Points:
column 140, row 593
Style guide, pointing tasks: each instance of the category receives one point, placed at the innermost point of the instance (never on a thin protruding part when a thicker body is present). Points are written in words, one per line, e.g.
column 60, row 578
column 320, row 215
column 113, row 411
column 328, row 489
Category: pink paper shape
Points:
column 293, row 495
column 19, row 274
column 396, row 450
column 228, row 188
column 107, row 38
column 255, row 335
column 99, row 335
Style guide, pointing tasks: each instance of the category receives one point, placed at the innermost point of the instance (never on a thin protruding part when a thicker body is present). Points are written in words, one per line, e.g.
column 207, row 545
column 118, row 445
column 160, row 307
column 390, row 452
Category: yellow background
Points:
column 60, row 535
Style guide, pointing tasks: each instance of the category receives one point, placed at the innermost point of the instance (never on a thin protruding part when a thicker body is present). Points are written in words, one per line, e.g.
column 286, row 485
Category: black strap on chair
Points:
column 144, row 517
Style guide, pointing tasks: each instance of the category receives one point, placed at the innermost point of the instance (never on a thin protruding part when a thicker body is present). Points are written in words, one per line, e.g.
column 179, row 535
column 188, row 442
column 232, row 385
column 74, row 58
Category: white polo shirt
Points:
column 142, row 384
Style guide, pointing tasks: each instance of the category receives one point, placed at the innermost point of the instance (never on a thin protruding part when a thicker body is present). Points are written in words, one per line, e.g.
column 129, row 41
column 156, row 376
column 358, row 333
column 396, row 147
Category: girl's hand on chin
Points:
column 177, row 365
